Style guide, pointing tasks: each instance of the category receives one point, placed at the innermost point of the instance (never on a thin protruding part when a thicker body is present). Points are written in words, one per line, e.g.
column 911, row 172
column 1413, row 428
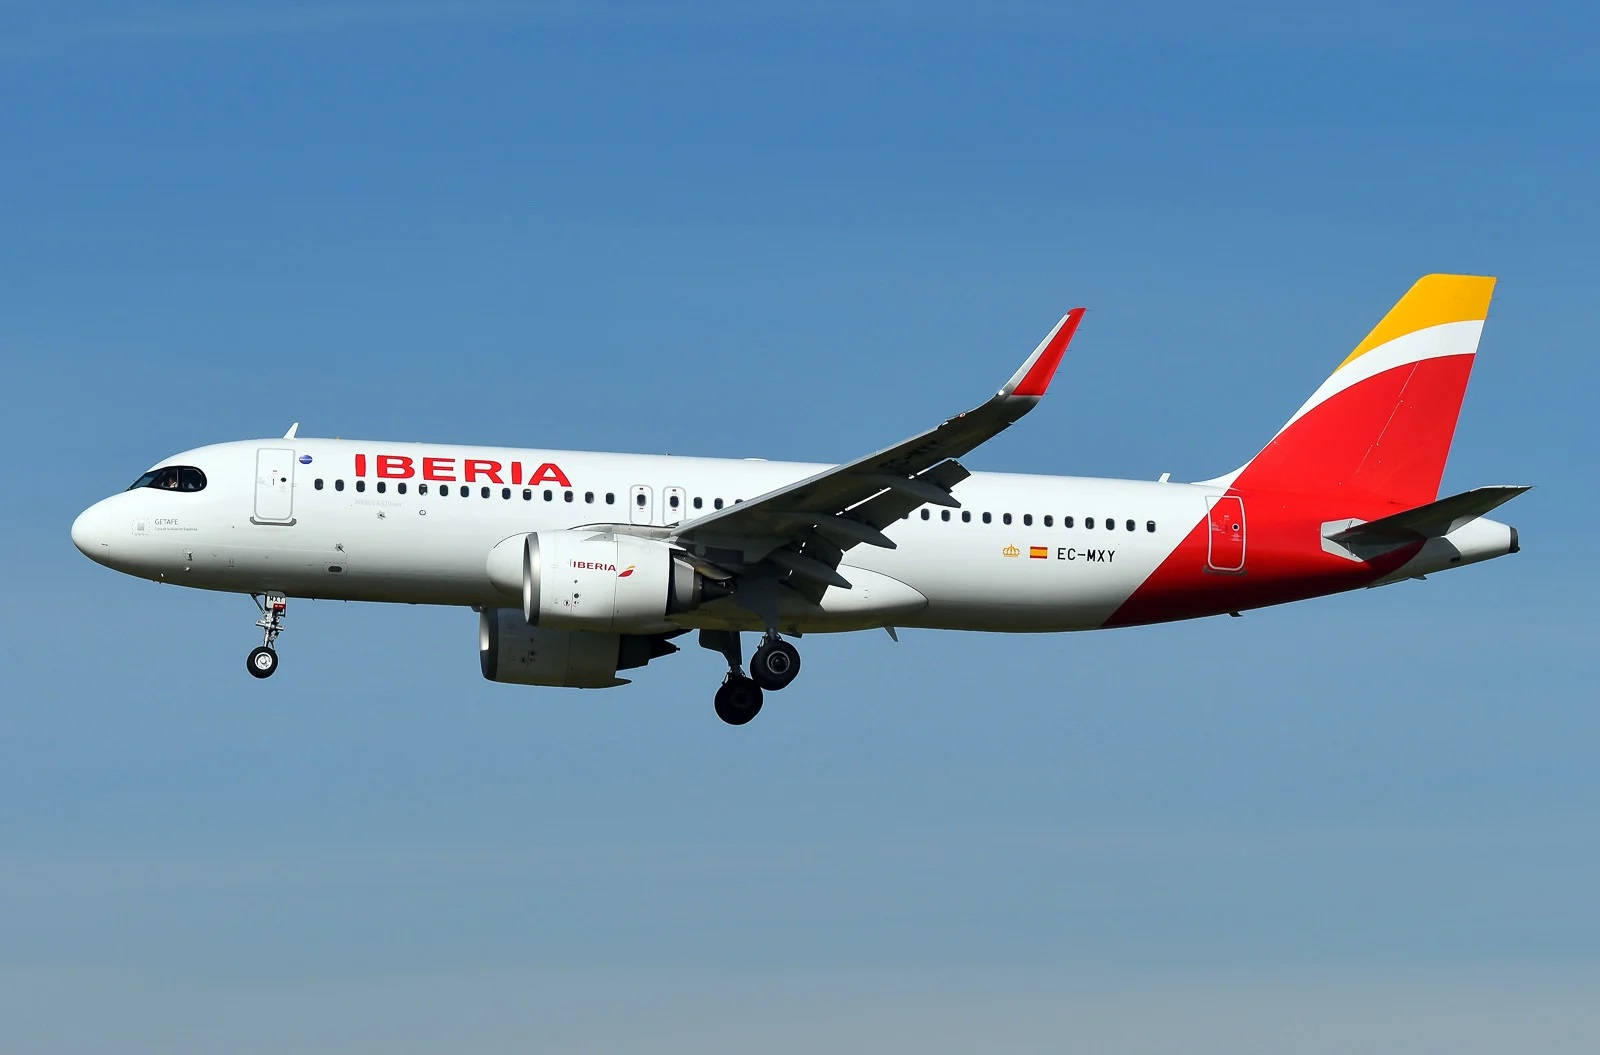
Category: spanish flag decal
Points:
column 1039, row 552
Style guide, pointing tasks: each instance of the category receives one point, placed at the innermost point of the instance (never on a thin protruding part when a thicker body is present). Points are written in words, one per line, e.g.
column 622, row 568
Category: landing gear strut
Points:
column 263, row 659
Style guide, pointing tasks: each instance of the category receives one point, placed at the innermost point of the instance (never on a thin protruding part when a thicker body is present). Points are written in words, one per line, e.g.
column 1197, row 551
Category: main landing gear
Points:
column 775, row 664
column 773, row 667
column 263, row 659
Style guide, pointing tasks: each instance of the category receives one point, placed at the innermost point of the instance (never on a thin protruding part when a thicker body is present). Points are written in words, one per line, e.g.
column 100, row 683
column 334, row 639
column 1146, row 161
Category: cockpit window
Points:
column 172, row 478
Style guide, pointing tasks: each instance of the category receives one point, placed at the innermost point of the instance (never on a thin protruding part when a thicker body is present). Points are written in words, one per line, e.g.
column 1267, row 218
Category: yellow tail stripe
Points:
column 1434, row 300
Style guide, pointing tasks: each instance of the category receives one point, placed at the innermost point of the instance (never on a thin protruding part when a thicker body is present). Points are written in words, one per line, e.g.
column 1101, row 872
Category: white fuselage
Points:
column 300, row 521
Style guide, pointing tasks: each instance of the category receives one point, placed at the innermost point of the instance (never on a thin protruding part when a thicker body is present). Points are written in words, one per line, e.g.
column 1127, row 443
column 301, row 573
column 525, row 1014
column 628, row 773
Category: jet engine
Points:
column 509, row 650
column 596, row 580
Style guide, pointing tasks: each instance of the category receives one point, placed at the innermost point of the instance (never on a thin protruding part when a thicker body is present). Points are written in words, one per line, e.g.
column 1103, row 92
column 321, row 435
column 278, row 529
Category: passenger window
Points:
column 673, row 501
column 1066, row 522
column 361, row 485
column 1027, row 520
column 422, row 489
column 925, row 514
column 639, row 499
column 1005, row 518
column 505, row 492
column 966, row 516
column 484, row 491
column 400, row 488
column 382, row 487
column 1150, row 526
column 1088, row 522
column 698, row 501
column 1049, row 521
column 1111, row 524
column 527, row 494
column 611, row 499
column 588, row 498
column 1129, row 525
column 338, row 485
column 549, row 495
column 944, row 514
column 987, row 518
column 317, row 483
column 716, row 503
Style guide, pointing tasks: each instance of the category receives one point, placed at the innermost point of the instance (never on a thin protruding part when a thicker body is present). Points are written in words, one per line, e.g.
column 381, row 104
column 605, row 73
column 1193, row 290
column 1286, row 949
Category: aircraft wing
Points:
column 801, row 531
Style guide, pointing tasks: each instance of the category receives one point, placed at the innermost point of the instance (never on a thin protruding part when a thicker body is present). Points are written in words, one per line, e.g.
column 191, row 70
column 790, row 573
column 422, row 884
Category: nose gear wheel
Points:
column 263, row 659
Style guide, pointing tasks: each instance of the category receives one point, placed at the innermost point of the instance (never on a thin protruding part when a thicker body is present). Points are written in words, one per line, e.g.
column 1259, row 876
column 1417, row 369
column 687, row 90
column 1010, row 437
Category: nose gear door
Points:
column 274, row 486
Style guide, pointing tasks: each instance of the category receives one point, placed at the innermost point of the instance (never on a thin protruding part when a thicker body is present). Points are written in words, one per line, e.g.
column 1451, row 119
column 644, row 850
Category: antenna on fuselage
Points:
column 292, row 430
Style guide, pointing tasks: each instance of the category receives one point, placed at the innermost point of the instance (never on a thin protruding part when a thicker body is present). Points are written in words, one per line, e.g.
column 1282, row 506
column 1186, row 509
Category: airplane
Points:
column 582, row 565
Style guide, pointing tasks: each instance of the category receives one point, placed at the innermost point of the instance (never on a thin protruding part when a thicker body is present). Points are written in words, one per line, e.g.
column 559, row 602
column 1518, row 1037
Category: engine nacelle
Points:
column 595, row 580
column 509, row 650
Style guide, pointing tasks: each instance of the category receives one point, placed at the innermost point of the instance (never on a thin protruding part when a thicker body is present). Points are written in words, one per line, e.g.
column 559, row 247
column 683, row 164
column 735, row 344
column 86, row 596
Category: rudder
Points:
column 1380, row 426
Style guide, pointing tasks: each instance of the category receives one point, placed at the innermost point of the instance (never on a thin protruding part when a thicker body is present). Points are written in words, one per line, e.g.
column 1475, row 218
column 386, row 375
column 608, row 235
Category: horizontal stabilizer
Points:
column 1434, row 520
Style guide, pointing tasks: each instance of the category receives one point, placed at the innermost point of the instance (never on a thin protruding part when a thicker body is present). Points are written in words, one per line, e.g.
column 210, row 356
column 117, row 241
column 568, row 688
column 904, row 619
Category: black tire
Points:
column 261, row 662
column 738, row 700
column 775, row 665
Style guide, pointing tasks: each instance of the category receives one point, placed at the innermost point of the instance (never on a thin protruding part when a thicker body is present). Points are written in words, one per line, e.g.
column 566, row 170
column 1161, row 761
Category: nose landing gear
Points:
column 263, row 659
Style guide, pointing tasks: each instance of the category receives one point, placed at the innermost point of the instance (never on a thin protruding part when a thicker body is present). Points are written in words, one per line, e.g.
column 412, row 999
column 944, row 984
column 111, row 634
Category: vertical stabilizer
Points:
column 1380, row 426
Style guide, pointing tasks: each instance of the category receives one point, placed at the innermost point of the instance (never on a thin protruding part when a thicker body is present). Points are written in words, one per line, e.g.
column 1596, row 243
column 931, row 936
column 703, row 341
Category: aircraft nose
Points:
column 90, row 534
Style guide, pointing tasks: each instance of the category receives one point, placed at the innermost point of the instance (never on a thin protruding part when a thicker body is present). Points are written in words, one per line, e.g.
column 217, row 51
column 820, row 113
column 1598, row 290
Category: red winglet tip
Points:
column 1037, row 379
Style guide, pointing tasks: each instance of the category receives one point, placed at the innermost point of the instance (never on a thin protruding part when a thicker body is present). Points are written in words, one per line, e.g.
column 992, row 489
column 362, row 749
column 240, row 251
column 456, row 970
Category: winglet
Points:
column 1034, row 376
column 292, row 430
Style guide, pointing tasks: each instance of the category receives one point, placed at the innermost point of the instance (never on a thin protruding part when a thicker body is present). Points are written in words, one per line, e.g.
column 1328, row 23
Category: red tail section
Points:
column 1369, row 443
column 1380, row 427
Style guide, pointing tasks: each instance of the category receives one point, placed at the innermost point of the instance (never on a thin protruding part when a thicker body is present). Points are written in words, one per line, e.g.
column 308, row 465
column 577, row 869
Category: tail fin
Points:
column 1380, row 427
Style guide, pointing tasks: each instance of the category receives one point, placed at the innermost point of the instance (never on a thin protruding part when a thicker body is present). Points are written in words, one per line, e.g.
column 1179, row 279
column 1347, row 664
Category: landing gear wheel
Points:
column 263, row 661
column 775, row 664
column 738, row 700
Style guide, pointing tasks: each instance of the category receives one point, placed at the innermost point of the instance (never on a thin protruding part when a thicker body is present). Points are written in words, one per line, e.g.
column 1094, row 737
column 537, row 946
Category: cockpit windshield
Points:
column 172, row 478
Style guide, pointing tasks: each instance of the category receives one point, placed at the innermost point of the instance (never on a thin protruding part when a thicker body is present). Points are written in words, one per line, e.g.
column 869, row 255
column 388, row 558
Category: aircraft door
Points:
column 274, row 486
column 640, row 501
column 672, row 504
column 1225, row 544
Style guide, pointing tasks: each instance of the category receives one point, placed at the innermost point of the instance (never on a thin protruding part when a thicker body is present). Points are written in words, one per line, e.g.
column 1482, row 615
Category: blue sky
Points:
column 1365, row 821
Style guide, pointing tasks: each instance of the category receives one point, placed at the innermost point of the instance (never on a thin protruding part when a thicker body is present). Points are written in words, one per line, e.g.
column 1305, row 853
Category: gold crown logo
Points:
column 1012, row 551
